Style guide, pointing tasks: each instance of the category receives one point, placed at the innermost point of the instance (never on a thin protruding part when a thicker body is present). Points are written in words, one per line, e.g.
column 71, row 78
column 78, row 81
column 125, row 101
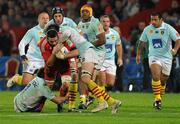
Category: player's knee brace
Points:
column 74, row 75
column 86, row 73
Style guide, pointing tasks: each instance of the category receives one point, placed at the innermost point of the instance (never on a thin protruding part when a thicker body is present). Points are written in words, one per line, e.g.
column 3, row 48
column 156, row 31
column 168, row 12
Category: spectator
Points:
column 131, row 8
column 118, row 10
column 7, row 39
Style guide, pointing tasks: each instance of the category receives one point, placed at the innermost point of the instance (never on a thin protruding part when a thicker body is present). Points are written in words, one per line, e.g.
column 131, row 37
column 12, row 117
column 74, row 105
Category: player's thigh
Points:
column 27, row 77
column 102, row 77
column 110, row 79
column 155, row 67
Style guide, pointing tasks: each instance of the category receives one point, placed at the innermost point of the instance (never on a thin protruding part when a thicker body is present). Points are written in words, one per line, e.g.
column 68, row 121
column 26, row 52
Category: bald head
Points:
column 43, row 19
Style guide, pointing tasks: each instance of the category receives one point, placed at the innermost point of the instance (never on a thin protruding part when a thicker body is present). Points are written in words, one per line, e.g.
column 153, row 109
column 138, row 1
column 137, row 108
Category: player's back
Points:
column 31, row 95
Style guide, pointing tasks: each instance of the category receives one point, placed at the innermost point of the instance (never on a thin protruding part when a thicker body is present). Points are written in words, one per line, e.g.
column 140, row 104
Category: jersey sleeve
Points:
column 174, row 35
column 143, row 36
column 118, row 39
column 25, row 40
column 47, row 92
column 97, row 27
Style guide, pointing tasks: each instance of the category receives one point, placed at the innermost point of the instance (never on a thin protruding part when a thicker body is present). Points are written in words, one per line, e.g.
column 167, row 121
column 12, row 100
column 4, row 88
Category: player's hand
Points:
column 24, row 59
column 119, row 62
column 173, row 52
column 138, row 59
column 56, row 49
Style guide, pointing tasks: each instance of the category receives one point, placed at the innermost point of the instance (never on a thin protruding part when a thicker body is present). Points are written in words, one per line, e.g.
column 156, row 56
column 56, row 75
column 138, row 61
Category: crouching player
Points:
column 34, row 95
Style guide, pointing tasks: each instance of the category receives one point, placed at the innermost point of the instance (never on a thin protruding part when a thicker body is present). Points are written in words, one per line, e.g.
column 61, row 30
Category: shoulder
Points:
column 68, row 19
column 51, row 21
column 94, row 20
column 114, row 31
column 167, row 26
column 148, row 28
column 33, row 29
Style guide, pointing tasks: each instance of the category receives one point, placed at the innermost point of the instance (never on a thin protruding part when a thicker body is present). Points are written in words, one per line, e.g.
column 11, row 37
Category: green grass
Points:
column 136, row 109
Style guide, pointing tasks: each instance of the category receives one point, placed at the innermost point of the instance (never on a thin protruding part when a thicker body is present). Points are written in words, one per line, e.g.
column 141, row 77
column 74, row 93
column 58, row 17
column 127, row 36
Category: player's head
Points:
column 105, row 21
column 58, row 14
column 52, row 34
column 156, row 19
column 43, row 19
column 86, row 12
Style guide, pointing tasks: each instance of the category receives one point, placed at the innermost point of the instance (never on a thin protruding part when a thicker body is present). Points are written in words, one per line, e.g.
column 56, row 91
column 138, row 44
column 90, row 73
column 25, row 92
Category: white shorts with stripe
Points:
column 109, row 67
column 32, row 66
column 163, row 62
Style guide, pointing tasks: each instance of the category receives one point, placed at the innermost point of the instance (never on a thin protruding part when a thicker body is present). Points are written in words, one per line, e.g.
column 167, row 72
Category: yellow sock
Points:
column 156, row 87
column 95, row 90
column 73, row 88
column 82, row 98
column 18, row 79
column 107, row 97
column 102, row 87
column 163, row 88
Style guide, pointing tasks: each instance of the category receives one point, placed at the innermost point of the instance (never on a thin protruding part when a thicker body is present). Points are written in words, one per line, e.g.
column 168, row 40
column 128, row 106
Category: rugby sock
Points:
column 83, row 99
column 73, row 88
column 102, row 88
column 163, row 88
column 18, row 79
column 96, row 91
column 107, row 97
column 156, row 87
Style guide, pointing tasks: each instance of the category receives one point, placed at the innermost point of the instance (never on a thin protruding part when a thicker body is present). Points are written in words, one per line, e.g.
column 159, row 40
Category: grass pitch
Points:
column 136, row 109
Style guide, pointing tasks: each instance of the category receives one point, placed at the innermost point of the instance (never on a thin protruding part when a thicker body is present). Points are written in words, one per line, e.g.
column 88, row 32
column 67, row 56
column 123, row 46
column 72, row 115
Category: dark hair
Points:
column 57, row 10
column 52, row 30
column 157, row 14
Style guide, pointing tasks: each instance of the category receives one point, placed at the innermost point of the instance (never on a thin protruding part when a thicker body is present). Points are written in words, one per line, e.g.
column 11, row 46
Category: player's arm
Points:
column 71, row 54
column 23, row 43
column 58, row 99
column 101, row 40
column 139, row 51
column 119, row 53
column 176, row 47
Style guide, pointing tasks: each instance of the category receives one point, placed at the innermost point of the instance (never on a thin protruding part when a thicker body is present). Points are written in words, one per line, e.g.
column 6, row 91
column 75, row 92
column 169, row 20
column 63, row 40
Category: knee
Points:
column 156, row 77
column 85, row 79
column 85, row 76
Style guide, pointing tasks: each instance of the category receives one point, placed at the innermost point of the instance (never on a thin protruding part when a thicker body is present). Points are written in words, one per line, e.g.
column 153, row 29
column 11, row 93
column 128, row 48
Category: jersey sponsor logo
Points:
column 154, row 61
column 108, row 48
column 35, row 84
column 85, row 36
column 162, row 32
column 151, row 31
column 40, row 33
column 157, row 43
column 113, row 38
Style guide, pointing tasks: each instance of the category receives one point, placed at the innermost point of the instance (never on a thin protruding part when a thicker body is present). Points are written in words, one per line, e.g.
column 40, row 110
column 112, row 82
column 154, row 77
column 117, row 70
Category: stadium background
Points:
column 18, row 16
